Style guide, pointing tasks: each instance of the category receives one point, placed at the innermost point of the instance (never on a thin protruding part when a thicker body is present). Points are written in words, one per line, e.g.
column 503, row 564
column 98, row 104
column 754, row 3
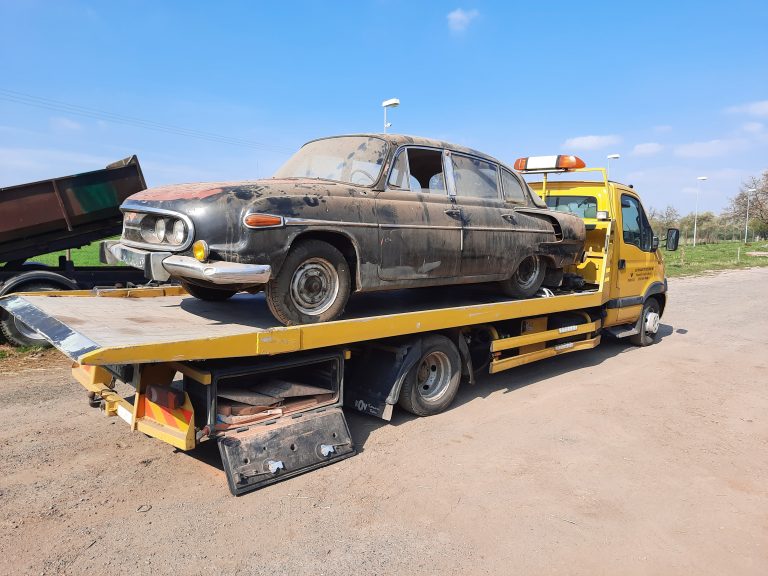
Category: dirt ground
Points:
column 618, row 460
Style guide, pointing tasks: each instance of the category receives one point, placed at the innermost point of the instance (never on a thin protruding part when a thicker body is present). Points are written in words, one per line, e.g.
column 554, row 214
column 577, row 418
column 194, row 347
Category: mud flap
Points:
column 265, row 454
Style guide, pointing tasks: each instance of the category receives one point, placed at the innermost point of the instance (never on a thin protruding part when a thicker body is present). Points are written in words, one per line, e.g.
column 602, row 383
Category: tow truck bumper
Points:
column 160, row 266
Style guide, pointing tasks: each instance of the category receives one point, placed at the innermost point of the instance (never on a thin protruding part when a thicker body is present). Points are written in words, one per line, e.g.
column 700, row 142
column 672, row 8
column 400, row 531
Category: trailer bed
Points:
column 144, row 325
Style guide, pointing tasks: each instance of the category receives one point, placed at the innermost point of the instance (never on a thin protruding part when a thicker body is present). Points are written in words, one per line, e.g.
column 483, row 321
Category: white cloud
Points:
column 710, row 148
column 662, row 128
column 758, row 108
column 460, row 19
column 647, row 149
column 62, row 124
column 591, row 142
column 753, row 127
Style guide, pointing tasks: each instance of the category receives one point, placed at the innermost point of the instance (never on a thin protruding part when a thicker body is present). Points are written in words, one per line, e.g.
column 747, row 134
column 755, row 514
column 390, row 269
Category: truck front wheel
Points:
column 648, row 324
column 431, row 385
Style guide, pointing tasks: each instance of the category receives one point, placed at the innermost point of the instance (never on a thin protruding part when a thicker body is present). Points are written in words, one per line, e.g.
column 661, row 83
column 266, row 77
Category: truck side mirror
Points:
column 673, row 239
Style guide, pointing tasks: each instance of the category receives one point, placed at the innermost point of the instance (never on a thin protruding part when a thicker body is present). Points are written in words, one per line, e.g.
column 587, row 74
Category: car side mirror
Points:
column 654, row 243
column 673, row 239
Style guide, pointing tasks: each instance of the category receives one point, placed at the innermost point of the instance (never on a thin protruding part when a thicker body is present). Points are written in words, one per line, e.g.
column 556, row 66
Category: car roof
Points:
column 404, row 139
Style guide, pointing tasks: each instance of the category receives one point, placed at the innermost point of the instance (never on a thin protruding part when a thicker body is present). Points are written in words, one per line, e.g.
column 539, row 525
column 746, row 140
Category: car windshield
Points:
column 350, row 159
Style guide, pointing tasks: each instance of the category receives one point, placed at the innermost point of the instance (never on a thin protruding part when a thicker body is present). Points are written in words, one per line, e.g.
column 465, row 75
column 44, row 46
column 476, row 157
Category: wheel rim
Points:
column 26, row 331
column 433, row 376
column 314, row 286
column 527, row 272
column 652, row 320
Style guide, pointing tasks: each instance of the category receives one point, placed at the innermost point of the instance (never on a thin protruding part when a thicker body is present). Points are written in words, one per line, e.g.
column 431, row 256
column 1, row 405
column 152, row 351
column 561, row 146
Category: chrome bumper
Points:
column 161, row 266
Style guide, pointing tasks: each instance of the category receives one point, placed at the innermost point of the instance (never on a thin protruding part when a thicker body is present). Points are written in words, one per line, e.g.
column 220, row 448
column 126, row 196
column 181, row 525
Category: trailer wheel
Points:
column 431, row 385
column 206, row 293
column 18, row 333
column 313, row 285
column 649, row 324
column 527, row 279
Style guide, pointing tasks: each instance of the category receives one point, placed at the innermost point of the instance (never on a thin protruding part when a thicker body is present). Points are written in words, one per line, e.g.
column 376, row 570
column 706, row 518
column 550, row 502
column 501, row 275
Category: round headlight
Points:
column 179, row 231
column 160, row 226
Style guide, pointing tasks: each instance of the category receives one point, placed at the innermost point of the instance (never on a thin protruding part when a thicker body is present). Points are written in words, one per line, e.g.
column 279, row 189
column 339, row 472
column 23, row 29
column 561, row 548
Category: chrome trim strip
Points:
column 127, row 207
column 309, row 222
column 218, row 272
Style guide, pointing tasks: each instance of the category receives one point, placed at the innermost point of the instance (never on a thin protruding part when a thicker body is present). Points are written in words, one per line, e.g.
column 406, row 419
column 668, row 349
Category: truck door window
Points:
column 635, row 227
column 513, row 189
column 475, row 178
column 425, row 170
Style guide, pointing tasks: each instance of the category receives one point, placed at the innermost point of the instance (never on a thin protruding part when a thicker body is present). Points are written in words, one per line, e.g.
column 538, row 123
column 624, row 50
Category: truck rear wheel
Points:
column 18, row 333
column 431, row 384
column 527, row 279
column 648, row 324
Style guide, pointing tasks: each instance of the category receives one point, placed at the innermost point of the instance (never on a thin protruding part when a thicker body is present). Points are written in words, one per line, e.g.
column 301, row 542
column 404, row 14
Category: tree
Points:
column 661, row 220
column 758, row 205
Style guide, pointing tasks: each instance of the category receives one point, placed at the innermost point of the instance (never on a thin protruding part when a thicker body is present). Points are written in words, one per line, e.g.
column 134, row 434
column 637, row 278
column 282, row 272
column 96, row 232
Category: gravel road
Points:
column 618, row 460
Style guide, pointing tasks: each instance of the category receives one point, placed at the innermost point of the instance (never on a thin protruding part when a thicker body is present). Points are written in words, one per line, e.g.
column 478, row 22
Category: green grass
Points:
column 85, row 256
column 687, row 260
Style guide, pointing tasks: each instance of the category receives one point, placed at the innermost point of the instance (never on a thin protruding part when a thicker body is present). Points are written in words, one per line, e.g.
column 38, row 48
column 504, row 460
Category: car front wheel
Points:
column 313, row 285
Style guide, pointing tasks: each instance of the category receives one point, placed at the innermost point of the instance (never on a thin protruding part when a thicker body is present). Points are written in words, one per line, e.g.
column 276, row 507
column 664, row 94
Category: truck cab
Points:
column 637, row 287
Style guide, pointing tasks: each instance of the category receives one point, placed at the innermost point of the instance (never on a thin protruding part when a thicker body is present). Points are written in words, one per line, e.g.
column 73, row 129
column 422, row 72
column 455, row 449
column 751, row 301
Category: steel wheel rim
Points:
column 528, row 271
column 651, row 322
column 26, row 331
column 314, row 286
column 433, row 376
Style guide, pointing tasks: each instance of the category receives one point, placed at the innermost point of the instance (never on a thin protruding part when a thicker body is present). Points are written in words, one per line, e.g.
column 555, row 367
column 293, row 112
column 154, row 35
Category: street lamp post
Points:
column 612, row 157
column 391, row 103
column 696, row 212
column 746, row 223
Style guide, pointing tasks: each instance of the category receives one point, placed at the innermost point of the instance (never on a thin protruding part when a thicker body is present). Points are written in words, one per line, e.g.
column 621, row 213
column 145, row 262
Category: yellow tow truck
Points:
column 272, row 396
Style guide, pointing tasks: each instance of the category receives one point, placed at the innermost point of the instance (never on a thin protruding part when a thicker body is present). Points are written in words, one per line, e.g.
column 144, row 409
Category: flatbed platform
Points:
column 135, row 326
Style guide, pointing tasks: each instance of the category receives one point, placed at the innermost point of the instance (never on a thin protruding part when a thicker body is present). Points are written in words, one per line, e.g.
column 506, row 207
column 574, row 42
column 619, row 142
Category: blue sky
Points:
column 679, row 89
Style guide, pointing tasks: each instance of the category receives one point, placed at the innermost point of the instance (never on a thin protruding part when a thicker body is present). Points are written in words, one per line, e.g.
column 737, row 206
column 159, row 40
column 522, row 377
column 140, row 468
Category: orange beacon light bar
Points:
column 543, row 163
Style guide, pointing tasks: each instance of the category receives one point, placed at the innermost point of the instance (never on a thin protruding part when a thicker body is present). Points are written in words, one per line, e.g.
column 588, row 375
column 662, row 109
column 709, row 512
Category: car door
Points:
column 637, row 256
column 492, row 244
column 419, row 225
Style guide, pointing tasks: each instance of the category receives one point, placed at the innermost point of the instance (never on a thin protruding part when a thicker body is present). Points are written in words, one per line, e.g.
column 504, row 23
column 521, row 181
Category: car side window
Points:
column 398, row 177
column 475, row 178
column 635, row 227
column 426, row 170
column 513, row 189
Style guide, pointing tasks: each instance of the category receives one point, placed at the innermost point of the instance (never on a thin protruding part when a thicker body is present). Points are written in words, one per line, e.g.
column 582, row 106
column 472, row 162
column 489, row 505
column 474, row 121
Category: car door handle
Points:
column 453, row 211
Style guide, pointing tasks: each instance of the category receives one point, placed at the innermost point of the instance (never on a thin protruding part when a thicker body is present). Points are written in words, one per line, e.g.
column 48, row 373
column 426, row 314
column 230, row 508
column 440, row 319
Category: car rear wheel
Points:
column 527, row 279
column 313, row 285
column 206, row 293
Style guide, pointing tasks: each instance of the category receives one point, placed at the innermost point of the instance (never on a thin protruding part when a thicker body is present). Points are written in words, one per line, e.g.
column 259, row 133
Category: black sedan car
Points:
column 351, row 213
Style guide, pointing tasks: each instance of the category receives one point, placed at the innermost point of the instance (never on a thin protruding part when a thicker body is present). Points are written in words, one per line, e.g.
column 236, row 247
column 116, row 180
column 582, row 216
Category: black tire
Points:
column 527, row 279
column 206, row 293
column 431, row 385
column 648, row 326
column 18, row 333
column 313, row 285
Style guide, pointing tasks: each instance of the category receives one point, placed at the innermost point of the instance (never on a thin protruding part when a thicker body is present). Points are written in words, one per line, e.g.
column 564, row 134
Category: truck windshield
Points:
column 583, row 206
column 349, row 159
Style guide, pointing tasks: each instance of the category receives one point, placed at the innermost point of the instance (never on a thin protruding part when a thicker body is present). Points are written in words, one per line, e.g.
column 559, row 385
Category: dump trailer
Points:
column 61, row 214
column 271, row 396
